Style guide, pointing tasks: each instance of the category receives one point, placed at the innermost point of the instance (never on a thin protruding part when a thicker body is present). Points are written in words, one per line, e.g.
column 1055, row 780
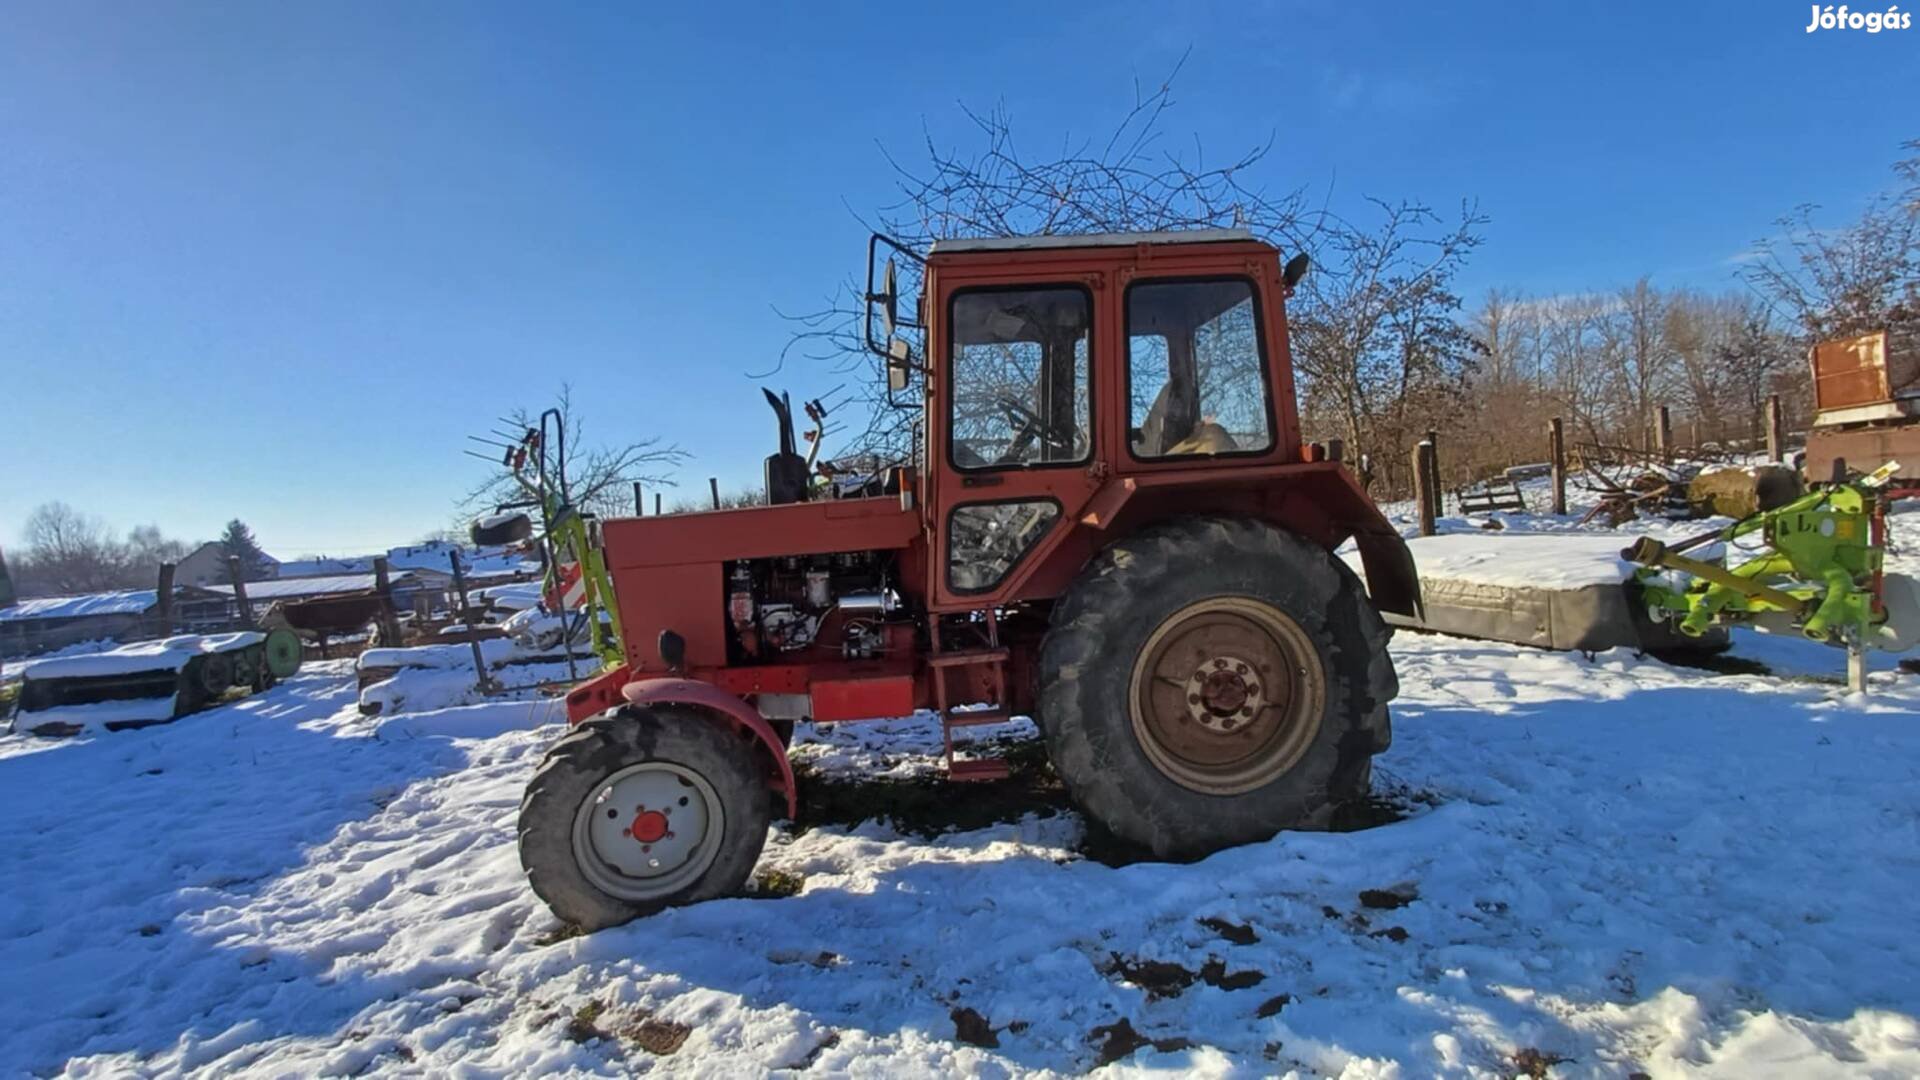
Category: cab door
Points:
column 1012, row 441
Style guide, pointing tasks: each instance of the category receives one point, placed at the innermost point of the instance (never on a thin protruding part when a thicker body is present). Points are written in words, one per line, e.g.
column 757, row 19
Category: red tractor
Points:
column 1111, row 525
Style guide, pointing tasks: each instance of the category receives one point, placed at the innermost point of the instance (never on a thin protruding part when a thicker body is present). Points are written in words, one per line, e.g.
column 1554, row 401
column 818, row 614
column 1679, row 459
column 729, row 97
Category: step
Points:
column 977, row 769
column 977, row 717
column 967, row 657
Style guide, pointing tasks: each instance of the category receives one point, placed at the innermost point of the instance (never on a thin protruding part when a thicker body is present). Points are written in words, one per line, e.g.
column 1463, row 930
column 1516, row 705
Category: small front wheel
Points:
column 641, row 810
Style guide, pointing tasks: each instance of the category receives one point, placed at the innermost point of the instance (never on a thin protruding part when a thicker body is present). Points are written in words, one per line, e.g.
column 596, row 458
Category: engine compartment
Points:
column 809, row 607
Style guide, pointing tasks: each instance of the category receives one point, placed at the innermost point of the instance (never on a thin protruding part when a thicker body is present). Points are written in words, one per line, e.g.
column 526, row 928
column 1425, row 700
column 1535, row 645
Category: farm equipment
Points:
column 1866, row 397
column 1109, row 523
column 1816, row 571
column 149, row 682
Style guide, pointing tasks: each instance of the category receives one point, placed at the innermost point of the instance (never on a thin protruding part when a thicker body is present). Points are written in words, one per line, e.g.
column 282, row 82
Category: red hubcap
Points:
column 648, row 826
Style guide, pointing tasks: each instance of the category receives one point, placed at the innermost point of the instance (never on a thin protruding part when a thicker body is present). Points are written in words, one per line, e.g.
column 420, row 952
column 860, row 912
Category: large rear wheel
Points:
column 1210, row 681
column 642, row 810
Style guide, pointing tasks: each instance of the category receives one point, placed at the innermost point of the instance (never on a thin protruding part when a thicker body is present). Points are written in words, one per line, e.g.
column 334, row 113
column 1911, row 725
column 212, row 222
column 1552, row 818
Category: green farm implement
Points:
column 1813, row 566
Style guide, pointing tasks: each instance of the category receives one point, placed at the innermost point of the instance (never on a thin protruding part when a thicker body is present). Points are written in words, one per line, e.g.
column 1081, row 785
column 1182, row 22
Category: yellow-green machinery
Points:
column 1816, row 569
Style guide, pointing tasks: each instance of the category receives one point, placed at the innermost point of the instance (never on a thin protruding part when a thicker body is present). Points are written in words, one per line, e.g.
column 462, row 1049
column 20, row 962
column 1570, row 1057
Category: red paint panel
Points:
column 869, row 698
column 811, row 528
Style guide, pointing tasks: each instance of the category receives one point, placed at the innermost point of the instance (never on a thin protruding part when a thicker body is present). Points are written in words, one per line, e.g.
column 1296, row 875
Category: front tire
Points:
column 1208, row 682
column 641, row 810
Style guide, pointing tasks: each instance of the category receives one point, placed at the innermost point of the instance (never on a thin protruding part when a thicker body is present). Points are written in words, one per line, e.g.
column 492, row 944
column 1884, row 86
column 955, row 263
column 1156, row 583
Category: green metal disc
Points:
column 283, row 653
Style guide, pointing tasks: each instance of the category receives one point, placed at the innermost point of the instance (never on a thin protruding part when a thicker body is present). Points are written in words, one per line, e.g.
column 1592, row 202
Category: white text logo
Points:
column 1830, row 18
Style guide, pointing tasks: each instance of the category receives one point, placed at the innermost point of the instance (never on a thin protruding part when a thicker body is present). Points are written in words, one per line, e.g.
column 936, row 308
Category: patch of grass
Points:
column 1273, row 1005
column 971, row 1028
column 1159, row 978
column 580, row 1026
column 929, row 806
column 1118, row 1040
column 565, row 931
column 1535, row 1063
column 1214, row 973
column 1236, row 933
column 655, row 1036
column 776, row 884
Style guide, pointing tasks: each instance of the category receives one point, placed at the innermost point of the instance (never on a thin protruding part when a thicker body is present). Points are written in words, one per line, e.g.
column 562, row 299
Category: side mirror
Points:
column 1295, row 269
column 899, row 364
column 889, row 298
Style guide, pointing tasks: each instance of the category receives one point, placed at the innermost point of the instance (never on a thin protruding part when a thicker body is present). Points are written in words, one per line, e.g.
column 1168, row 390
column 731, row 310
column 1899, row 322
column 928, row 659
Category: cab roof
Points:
column 1087, row 240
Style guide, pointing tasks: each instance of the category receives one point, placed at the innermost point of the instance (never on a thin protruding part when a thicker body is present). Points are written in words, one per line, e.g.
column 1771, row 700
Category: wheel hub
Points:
column 1227, row 694
column 1224, row 693
column 648, row 830
column 649, row 826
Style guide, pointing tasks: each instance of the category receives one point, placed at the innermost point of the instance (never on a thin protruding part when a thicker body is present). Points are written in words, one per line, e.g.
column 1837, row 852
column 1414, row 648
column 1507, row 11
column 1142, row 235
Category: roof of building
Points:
column 125, row 602
column 432, row 555
column 286, row 588
column 1023, row 243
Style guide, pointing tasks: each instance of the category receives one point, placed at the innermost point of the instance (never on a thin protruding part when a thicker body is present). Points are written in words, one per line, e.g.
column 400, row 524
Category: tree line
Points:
column 67, row 552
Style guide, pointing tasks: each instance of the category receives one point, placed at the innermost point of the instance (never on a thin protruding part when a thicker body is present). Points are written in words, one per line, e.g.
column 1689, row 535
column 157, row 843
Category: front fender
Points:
column 723, row 708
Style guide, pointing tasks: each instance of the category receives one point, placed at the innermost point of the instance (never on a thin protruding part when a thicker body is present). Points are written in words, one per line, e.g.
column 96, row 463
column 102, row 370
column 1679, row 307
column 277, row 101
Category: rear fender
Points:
column 722, row 708
column 1331, row 494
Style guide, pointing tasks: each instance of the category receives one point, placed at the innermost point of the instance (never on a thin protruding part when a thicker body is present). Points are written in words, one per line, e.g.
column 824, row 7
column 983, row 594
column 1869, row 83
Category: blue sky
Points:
column 275, row 261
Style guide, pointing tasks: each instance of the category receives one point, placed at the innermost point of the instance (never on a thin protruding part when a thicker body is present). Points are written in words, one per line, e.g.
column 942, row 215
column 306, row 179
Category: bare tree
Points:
column 600, row 477
column 67, row 551
column 1850, row 279
column 1376, row 342
column 1129, row 180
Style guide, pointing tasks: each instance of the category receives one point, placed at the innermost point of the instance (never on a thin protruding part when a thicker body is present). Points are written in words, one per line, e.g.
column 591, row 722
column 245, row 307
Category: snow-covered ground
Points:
column 1612, row 862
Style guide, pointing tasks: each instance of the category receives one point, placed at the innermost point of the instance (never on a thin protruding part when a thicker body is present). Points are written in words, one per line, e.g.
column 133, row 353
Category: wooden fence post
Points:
column 713, row 484
column 1557, row 456
column 239, row 578
column 164, row 594
column 1776, row 430
column 636, row 499
column 656, row 504
column 1663, row 432
column 1433, row 475
column 482, row 680
column 1424, row 486
column 383, row 584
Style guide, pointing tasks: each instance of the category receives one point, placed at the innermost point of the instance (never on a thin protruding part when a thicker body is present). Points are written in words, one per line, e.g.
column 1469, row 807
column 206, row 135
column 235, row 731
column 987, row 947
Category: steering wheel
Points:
column 1027, row 426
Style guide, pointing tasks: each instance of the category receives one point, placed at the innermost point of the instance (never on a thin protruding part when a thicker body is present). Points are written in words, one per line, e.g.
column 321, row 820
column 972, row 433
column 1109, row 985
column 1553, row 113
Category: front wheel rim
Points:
column 1226, row 695
column 648, row 831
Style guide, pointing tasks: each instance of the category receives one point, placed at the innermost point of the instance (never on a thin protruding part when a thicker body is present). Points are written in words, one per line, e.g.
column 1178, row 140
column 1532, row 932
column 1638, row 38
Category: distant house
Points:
column 406, row 585
column 432, row 560
column 54, row 622
column 207, row 565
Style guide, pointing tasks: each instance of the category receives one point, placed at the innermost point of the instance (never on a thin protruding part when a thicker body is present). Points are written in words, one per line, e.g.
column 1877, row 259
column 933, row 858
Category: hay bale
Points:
column 1740, row 491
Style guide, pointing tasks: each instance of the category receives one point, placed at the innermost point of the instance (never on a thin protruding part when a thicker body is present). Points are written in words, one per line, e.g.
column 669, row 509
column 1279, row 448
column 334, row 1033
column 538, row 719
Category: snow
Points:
column 127, row 602
column 292, row 588
column 1627, row 865
column 1520, row 560
column 517, row 596
column 434, row 555
column 166, row 654
column 97, row 715
column 11, row 669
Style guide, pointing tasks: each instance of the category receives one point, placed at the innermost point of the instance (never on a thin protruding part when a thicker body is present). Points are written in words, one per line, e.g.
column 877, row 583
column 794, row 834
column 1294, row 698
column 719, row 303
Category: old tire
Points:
column 598, row 822
column 1208, row 682
column 500, row 530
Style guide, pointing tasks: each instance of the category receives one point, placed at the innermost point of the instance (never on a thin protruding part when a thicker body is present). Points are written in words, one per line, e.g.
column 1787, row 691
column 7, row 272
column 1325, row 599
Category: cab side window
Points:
column 1196, row 370
column 1020, row 393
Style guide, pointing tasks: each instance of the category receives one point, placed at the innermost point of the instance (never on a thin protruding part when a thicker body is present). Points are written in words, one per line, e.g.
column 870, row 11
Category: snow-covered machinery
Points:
column 1816, row 570
column 149, row 682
